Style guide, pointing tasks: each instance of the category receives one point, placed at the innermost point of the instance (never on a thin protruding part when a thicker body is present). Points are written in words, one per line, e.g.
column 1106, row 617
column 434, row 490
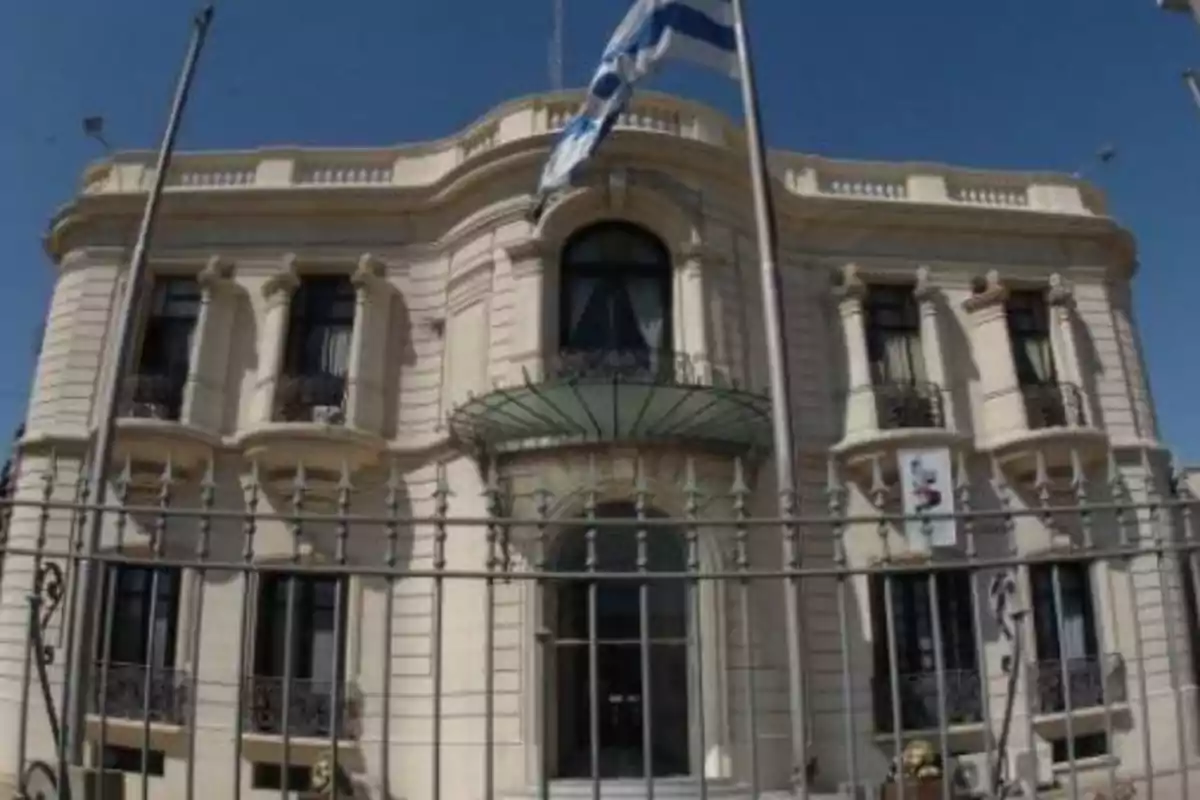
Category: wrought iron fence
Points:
column 604, row 625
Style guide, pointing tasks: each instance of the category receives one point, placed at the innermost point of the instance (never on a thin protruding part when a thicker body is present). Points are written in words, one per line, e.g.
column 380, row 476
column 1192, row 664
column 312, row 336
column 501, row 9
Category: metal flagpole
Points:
column 1193, row 83
column 87, row 589
column 781, row 405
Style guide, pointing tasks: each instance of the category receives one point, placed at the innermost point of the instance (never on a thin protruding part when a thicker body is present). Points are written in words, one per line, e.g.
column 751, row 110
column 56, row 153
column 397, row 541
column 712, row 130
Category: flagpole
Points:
column 87, row 595
column 781, row 405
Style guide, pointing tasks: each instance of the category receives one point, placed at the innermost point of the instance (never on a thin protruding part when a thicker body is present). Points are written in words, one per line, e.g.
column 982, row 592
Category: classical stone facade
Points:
column 431, row 301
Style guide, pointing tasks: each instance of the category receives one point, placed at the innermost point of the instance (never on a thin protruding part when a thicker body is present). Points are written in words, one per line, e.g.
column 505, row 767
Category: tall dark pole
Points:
column 86, row 609
column 781, row 402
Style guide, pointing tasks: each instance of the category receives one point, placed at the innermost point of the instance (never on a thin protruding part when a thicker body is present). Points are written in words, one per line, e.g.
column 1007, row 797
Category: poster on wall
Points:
column 927, row 488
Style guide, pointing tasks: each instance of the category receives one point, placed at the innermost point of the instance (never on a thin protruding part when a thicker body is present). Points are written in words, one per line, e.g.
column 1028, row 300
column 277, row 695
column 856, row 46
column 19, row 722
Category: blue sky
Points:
column 1032, row 84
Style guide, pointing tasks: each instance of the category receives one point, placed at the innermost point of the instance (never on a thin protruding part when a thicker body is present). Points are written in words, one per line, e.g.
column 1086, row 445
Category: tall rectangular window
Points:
column 317, row 355
column 916, row 651
column 1065, row 635
column 317, row 638
column 164, row 362
column 903, row 396
column 139, row 653
column 1029, row 330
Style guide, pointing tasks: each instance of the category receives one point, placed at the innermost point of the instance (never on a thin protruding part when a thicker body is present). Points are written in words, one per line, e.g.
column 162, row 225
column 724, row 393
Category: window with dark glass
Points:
column 904, row 399
column 317, row 356
column 317, row 652
column 915, row 652
column 616, row 299
column 1066, row 632
column 139, row 643
column 1029, row 329
column 166, row 351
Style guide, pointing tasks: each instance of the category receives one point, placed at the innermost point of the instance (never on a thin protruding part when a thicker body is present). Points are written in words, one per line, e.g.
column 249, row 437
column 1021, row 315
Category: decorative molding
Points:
column 1061, row 293
column 700, row 253
column 217, row 273
column 618, row 184
column 925, row 290
column 849, row 285
column 988, row 292
column 369, row 272
column 533, row 249
column 284, row 281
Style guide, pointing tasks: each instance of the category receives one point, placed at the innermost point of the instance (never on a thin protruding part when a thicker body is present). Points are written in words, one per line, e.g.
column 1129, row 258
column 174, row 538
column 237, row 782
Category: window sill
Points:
column 1085, row 764
column 168, row 738
column 959, row 736
column 1083, row 720
column 302, row 750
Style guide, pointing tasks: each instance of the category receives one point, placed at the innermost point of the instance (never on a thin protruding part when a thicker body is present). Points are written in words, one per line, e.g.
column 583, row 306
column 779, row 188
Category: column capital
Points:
column 692, row 252
column 849, row 286
column 368, row 273
column 987, row 292
column 924, row 290
column 217, row 274
column 1060, row 294
column 284, row 281
column 533, row 248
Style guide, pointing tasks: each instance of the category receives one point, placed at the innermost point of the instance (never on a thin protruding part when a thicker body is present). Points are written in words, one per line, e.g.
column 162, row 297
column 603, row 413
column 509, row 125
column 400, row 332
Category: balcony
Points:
column 310, row 427
column 633, row 397
column 304, row 708
column 311, row 398
column 152, row 430
column 1092, row 682
column 124, row 694
column 1051, row 418
column 919, row 701
column 885, row 417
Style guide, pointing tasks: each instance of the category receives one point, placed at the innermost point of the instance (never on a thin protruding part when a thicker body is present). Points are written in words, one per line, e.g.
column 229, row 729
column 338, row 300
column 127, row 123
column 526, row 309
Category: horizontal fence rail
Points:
column 603, row 625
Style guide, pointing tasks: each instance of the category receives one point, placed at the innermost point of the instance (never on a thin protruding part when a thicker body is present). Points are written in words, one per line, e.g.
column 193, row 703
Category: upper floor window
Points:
column 904, row 398
column 615, row 308
column 916, row 631
column 1029, row 330
column 140, row 645
column 304, row 659
column 317, row 357
column 157, row 385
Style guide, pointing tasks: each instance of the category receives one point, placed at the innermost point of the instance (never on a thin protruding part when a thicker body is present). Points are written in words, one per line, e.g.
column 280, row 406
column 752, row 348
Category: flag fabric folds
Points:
column 699, row 31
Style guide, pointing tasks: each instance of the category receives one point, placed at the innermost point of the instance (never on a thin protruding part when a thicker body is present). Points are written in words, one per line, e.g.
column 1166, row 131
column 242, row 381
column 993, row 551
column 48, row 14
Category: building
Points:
column 371, row 399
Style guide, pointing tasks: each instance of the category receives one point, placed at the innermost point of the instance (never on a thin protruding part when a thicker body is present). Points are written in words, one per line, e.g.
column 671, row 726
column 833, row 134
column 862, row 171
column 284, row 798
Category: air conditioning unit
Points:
column 328, row 415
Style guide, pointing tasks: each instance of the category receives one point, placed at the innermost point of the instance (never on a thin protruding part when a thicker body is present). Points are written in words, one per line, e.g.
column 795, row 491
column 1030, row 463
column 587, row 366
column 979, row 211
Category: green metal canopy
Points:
column 618, row 401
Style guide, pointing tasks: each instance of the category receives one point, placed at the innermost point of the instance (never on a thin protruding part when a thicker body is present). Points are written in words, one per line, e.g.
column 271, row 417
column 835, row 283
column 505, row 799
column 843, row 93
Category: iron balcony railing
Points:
column 909, row 405
column 1091, row 681
column 154, row 396
column 919, row 701
column 311, row 398
column 633, row 365
column 1053, row 405
column 138, row 692
column 310, row 708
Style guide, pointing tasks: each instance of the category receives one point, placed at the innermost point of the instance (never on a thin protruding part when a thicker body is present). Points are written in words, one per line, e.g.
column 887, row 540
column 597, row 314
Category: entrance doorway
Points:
column 617, row 690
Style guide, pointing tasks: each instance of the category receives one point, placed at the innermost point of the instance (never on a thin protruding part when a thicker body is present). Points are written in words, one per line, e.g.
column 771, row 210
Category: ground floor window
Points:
column 597, row 659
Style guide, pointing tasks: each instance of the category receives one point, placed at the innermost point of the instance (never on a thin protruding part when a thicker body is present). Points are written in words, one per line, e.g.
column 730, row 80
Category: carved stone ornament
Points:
column 217, row 273
column 368, row 272
column 988, row 291
column 925, row 290
column 284, row 281
column 1060, row 292
column 699, row 253
column 849, row 284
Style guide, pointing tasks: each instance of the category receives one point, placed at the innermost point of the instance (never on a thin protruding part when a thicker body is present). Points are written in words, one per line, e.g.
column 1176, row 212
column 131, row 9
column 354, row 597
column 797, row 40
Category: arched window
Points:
column 615, row 307
column 617, row 629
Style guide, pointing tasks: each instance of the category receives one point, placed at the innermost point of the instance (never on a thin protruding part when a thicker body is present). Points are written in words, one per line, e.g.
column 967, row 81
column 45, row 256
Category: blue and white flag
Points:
column 700, row 31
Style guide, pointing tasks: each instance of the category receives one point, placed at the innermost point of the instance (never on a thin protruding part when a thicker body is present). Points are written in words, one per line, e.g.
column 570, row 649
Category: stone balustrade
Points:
column 426, row 163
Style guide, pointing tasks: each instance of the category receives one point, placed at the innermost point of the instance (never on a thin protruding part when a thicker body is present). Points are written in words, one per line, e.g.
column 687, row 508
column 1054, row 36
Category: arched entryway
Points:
column 618, row 688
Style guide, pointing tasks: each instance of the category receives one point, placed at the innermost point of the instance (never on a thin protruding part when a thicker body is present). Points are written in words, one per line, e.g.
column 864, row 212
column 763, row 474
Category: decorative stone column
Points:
column 932, row 350
column 535, row 294
column 861, row 414
column 204, row 393
column 368, row 342
column 1002, row 405
column 277, row 292
column 1060, row 297
column 690, row 313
